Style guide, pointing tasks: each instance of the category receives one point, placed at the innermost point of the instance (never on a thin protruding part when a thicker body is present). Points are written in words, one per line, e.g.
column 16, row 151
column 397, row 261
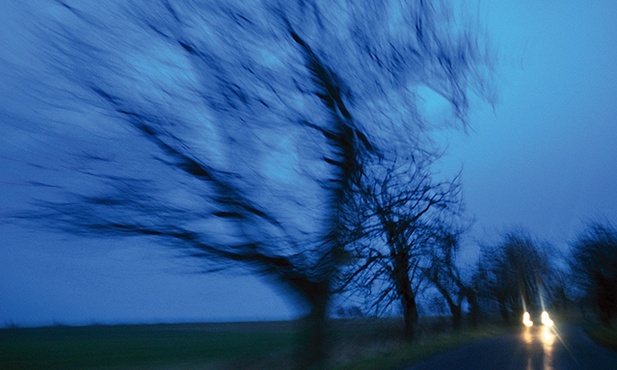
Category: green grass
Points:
column 142, row 345
column 407, row 354
column 603, row 335
column 352, row 344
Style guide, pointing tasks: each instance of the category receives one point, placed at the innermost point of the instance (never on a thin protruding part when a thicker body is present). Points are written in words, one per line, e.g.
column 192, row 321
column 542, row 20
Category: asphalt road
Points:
column 530, row 348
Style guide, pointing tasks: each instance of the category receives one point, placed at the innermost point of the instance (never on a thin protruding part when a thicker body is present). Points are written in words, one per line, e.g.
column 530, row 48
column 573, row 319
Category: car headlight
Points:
column 527, row 320
column 546, row 320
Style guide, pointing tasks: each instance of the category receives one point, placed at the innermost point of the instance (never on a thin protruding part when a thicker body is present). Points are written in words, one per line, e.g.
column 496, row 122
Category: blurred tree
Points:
column 236, row 129
column 593, row 262
column 560, row 291
column 446, row 276
column 514, row 273
column 402, row 209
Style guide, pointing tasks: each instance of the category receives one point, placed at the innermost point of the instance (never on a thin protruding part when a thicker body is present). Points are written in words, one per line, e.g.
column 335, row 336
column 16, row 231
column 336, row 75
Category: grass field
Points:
column 144, row 346
column 353, row 344
column 603, row 335
column 405, row 354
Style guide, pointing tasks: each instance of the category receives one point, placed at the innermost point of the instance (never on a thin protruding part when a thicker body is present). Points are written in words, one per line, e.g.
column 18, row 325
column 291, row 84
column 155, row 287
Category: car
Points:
column 544, row 319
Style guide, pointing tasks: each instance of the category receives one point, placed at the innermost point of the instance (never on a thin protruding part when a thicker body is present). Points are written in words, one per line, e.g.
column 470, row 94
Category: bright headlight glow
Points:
column 547, row 336
column 546, row 320
column 527, row 320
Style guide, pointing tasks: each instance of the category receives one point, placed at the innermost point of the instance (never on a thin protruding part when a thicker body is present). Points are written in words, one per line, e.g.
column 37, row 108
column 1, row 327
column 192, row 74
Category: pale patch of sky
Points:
column 163, row 66
column 433, row 107
column 267, row 57
column 395, row 17
column 281, row 161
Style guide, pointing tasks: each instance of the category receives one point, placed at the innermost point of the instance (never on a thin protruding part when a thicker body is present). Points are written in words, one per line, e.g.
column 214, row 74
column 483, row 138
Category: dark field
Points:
column 606, row 336
column 144, row 346
column 367, row 344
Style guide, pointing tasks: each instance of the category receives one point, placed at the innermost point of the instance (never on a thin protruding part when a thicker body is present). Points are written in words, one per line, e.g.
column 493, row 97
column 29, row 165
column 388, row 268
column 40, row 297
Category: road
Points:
column 530, row 348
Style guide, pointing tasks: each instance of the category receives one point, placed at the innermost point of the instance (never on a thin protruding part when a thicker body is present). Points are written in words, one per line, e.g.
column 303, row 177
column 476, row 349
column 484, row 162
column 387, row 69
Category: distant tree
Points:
column 514, row 273
column 402, row 208
column 445, row 275
column 560, row 291
column 237, row 130
column 593, row 262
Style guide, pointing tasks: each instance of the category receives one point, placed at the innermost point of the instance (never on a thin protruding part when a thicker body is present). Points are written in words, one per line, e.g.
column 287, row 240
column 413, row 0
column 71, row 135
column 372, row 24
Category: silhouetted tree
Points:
column 236, row 130
column 513, row 273
column 559, row 288
column 446, row 276
column 402, row 208
column 594, row 267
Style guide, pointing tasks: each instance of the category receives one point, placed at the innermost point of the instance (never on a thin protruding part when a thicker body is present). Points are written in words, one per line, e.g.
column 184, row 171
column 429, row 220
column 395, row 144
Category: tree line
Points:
column 288, row 138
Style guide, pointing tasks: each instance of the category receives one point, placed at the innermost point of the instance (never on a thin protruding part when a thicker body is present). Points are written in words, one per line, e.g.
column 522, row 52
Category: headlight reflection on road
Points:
column 527, row 336
column 548, row 337
column 545, row 335
column 535, row 336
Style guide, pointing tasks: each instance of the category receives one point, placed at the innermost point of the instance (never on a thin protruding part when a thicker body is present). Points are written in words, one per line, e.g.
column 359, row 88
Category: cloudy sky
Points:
column 543, row 158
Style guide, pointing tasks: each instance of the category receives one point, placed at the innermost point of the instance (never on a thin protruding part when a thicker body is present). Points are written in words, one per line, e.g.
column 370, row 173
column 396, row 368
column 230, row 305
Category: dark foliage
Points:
column 514, row 274
column 594, row 266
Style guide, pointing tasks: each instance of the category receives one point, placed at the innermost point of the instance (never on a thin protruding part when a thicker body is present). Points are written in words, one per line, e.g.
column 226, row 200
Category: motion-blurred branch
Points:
column 249, row 124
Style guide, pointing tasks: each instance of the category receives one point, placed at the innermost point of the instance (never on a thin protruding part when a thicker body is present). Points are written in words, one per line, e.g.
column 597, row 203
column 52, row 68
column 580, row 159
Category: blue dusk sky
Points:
column 543, row 158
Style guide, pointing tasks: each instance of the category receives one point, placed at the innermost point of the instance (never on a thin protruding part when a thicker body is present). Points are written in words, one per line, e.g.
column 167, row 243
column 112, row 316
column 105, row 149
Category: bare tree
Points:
column 446, row 276
column 401, row 206
column 514, row 273
column 560, row 291
column 237, row 130
column 593, row 263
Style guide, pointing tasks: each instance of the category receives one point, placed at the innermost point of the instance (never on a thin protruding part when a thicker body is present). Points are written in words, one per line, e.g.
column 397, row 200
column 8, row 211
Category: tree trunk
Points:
column 408, row 300
column 312, row 351
column 474, row 308
column 400, row 274
column 503, row 311
column 454, row 307
column 410, row 315
column 457, row 317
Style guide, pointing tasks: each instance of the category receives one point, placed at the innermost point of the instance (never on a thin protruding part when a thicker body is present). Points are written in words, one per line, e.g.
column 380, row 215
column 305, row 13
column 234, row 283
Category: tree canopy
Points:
column 594, row 267
column 236, row 130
